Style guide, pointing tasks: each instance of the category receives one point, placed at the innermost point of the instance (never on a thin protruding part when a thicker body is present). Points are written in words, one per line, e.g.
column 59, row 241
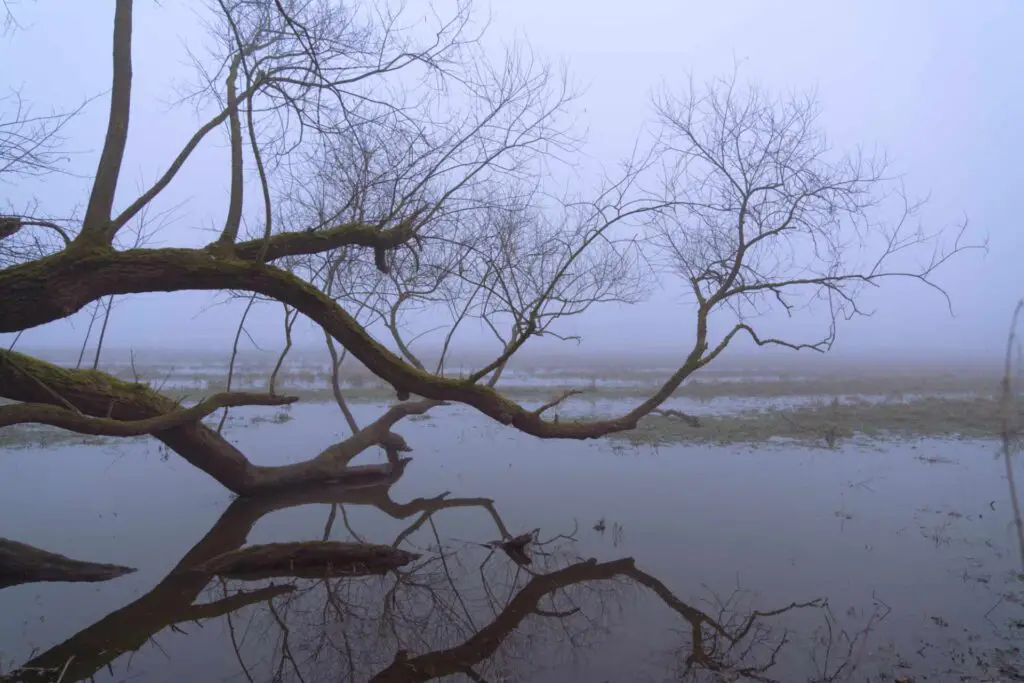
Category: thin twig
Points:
column 234, row 356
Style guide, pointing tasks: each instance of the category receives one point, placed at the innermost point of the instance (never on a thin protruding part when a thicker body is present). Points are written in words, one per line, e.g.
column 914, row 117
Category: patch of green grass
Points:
column 828, row 424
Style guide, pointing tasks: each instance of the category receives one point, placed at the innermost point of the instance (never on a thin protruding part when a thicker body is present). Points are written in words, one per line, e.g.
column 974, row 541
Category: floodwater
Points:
column 681, row 563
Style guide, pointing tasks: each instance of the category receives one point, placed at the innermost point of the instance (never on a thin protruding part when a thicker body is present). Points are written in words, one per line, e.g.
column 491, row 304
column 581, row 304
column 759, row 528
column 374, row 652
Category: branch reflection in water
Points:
column 480, row 611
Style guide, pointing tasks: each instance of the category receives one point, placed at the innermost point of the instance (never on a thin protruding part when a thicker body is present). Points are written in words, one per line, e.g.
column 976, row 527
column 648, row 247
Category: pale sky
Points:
column 936, row 83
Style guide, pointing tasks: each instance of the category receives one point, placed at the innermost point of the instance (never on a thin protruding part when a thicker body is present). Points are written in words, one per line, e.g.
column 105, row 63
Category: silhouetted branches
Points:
column 404, row 176
column 769, row 217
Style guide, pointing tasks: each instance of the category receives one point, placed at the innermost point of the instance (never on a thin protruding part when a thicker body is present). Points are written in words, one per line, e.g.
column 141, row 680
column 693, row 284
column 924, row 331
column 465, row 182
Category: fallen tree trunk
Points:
column 308, row 560
column 22, row 563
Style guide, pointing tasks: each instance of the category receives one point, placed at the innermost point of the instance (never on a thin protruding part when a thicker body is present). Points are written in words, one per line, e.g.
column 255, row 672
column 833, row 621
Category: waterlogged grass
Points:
column 45, row 436
column 818, row 423
column 908, row 405
column 280, row 417
column 830, row 423
column 896, row 389
column 597, row 382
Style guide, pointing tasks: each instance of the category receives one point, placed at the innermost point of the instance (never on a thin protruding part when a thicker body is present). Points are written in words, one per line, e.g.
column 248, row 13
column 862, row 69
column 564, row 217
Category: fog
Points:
column 638, row 491
column 935, row 84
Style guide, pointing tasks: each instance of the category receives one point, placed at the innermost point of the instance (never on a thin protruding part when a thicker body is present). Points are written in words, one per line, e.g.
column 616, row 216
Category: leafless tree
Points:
column 768, row 217
column 382, row 163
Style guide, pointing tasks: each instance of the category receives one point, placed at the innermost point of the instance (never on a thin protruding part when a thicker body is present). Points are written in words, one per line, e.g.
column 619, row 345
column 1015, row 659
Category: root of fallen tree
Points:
column 310, row 559
column 22, row 563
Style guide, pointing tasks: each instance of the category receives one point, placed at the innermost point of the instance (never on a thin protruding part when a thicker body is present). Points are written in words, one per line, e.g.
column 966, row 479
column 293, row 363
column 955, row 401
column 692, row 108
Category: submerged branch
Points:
column 309, row 559
column 21, row 563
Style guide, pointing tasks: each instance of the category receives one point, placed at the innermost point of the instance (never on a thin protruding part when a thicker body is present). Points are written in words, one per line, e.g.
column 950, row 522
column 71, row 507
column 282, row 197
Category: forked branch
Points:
column 41, row 413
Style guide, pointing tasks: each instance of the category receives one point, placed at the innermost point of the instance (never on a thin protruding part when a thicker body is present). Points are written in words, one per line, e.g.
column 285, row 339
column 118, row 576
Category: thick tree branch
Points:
column 21, row 563
column 377, row 432
column 97, row 394
column 97, row 226
column 307, row 559
column 234, row 218
column 309, row 242
column 752, row 206
column 59, row 285
column 76, row 422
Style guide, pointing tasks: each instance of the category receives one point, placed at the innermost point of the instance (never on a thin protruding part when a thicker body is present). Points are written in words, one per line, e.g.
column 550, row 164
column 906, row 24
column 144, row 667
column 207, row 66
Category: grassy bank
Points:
column 816, row 423
column 310, row 386
column 831, row 423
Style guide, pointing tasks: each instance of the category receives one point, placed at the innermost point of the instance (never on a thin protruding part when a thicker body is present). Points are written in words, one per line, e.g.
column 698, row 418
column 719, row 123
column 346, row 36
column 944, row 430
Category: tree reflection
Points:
column 484, row 612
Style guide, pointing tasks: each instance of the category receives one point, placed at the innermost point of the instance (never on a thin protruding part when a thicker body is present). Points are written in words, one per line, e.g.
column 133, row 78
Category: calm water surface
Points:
column 684, row 563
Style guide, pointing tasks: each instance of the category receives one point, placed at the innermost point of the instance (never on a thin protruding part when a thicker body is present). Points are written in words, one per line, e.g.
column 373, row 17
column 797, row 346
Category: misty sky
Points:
column 936, row 83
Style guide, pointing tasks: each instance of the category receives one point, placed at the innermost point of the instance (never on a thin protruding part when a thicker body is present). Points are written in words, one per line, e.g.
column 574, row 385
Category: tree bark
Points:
column 57, row 286
column 22, row 563
column 96, row 225
column 98, row 394
column 41, row 413
column 307, row 560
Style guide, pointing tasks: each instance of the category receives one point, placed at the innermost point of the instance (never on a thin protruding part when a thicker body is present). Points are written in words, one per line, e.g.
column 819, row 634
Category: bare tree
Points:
column 395, row 168
column 768, row 217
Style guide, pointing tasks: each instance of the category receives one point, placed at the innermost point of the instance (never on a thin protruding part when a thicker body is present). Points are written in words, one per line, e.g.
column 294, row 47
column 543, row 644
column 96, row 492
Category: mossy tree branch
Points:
column 97, row 401
column 69, row 281
column 443, row 203
column 22, row 413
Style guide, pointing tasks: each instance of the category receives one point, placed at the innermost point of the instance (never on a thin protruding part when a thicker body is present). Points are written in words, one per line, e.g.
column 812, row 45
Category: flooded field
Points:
column 760, row 546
